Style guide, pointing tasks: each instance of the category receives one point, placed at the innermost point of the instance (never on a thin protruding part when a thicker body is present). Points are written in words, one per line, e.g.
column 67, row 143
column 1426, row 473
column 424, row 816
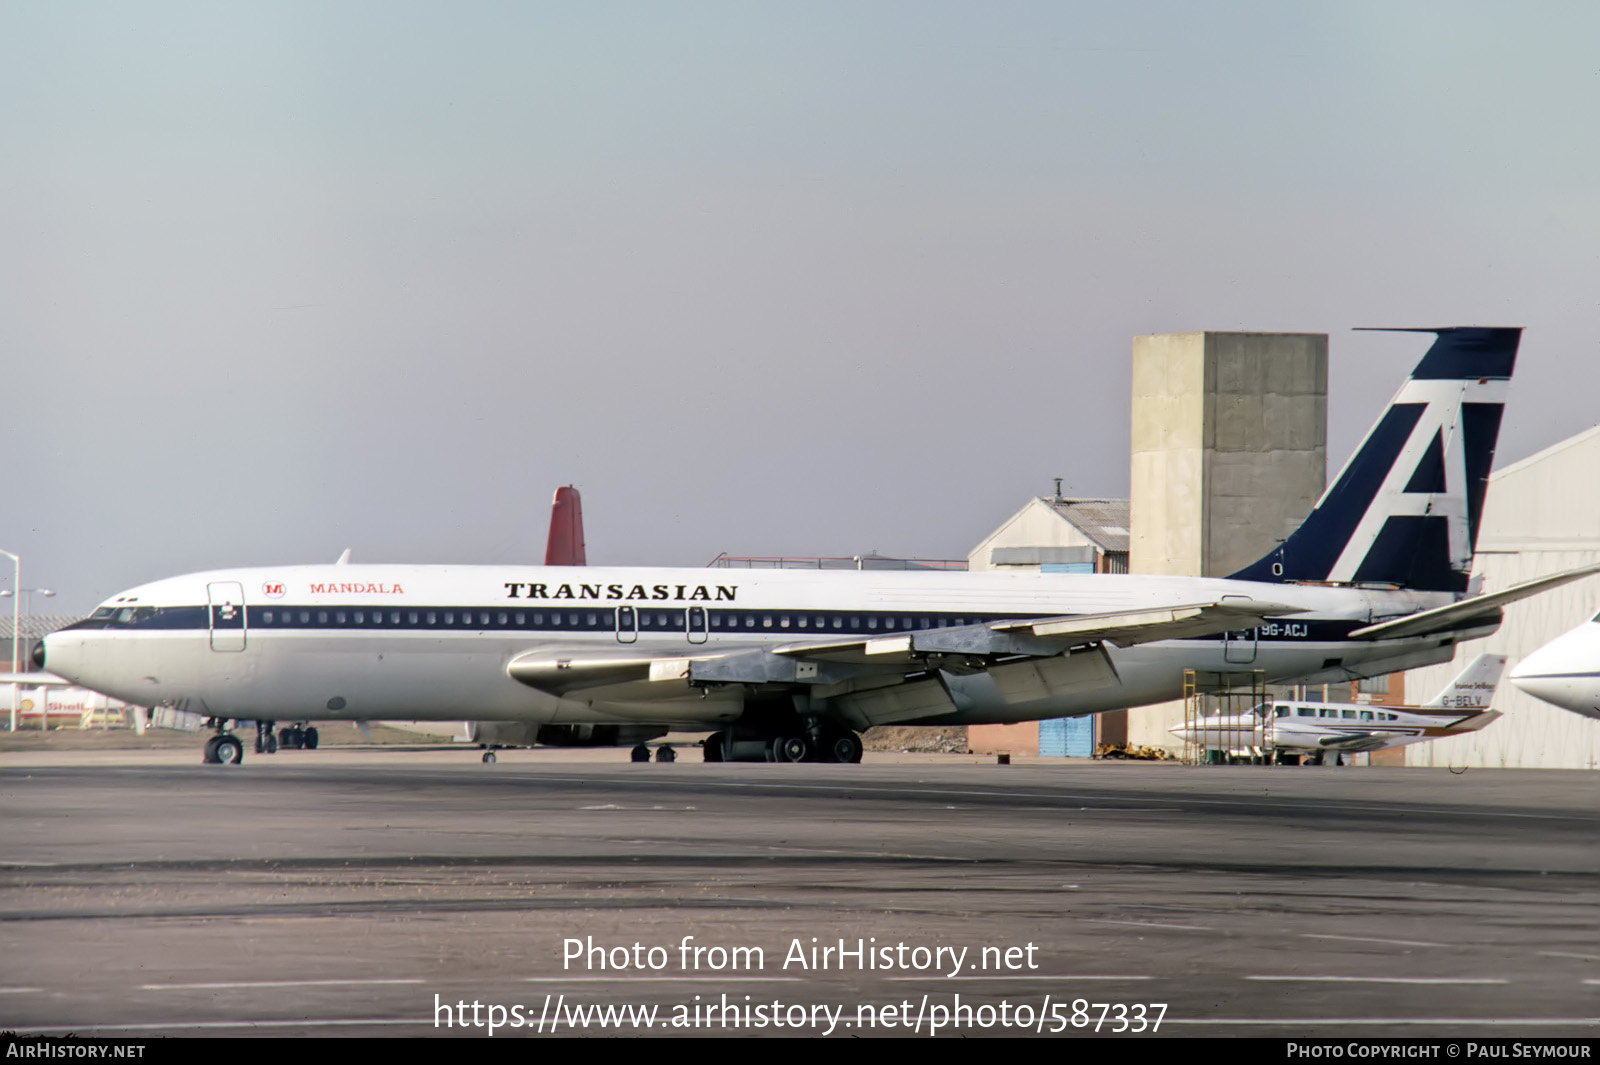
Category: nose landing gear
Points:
column 224, row 749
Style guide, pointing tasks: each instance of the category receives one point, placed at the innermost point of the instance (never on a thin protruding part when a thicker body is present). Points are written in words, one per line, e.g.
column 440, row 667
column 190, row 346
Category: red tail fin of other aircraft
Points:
column 565, row 546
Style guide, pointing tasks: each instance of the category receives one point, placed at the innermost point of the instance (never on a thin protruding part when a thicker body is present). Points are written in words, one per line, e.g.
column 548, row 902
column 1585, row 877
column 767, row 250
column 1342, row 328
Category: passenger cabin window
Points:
column 1305, row 711
column 1280, row 711
column 1348, row 715
column 1328, row 713
column 1366, row 715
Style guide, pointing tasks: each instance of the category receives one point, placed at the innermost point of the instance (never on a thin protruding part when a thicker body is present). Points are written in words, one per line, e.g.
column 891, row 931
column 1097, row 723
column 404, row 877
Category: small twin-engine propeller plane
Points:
column 1318, row 732
column 788, row 665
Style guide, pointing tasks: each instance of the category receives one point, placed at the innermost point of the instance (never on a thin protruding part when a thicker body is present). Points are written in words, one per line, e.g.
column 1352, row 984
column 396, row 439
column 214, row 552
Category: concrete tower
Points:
column 1230, row 438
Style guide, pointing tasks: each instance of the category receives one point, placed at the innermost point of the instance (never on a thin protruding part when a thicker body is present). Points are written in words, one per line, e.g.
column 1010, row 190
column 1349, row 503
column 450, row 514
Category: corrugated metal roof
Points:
column 1104, row 521
column 36, row 625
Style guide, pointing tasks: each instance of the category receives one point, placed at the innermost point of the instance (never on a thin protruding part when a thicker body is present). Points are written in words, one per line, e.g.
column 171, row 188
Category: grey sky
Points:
column 281, row 278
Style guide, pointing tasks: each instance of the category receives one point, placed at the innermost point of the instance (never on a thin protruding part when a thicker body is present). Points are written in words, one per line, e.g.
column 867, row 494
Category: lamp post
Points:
column 16, row 638
column 16, row 619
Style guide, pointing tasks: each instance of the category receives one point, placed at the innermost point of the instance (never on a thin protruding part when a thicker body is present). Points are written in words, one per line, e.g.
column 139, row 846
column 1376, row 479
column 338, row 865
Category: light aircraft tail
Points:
column 1404, row 510
column 1474, row 688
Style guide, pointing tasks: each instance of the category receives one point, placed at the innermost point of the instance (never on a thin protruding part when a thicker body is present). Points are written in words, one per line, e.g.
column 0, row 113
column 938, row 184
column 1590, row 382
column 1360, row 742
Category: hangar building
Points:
column 1541, row 516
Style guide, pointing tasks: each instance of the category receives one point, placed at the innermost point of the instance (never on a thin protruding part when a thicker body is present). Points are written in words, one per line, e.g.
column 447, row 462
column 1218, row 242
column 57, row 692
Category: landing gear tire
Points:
column 844, row 747
column 713, row 747
column 790, row 749
column 308, row 739
column 224, row 750
column 488, row 758
column 665, row 753
column 640, row 753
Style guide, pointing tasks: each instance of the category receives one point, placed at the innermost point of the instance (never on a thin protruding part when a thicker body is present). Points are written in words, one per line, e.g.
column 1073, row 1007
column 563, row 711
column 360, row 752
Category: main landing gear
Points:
column 823, row 742
column 298, row 738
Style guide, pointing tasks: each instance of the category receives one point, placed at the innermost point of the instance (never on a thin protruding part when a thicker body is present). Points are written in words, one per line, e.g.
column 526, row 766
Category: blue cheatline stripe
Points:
column 603, row 619
column 574, row 618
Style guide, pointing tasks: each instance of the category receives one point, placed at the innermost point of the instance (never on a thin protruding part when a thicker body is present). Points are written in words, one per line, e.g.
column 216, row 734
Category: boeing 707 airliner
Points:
column 790, row 665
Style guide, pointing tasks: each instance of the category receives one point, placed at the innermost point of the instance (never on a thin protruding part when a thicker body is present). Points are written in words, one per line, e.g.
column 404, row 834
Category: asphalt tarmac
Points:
column 388, row 892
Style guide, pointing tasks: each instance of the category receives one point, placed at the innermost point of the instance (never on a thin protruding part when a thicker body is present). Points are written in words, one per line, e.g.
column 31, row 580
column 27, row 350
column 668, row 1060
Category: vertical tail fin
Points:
column 1474, row 688
column 1405, row 508
column 565, row 545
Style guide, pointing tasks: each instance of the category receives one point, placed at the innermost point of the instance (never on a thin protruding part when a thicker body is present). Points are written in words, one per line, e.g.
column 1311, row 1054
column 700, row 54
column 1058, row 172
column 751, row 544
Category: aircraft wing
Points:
column 966, row 649
column 1044, row 637
column 1458, row 615
column 1356, row 742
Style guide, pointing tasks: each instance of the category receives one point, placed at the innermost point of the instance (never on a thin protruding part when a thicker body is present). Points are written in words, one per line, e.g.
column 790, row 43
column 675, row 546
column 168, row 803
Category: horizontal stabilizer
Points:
column 35, row 680
column 1460, row 615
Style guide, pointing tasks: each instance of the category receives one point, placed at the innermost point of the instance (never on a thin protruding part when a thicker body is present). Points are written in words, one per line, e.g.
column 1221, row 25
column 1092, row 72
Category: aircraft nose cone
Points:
column 38, row 655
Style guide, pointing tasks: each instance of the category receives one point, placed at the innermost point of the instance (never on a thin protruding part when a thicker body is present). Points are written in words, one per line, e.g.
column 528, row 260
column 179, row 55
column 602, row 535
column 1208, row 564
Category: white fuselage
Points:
column 369, row 642
column 1566, row 671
